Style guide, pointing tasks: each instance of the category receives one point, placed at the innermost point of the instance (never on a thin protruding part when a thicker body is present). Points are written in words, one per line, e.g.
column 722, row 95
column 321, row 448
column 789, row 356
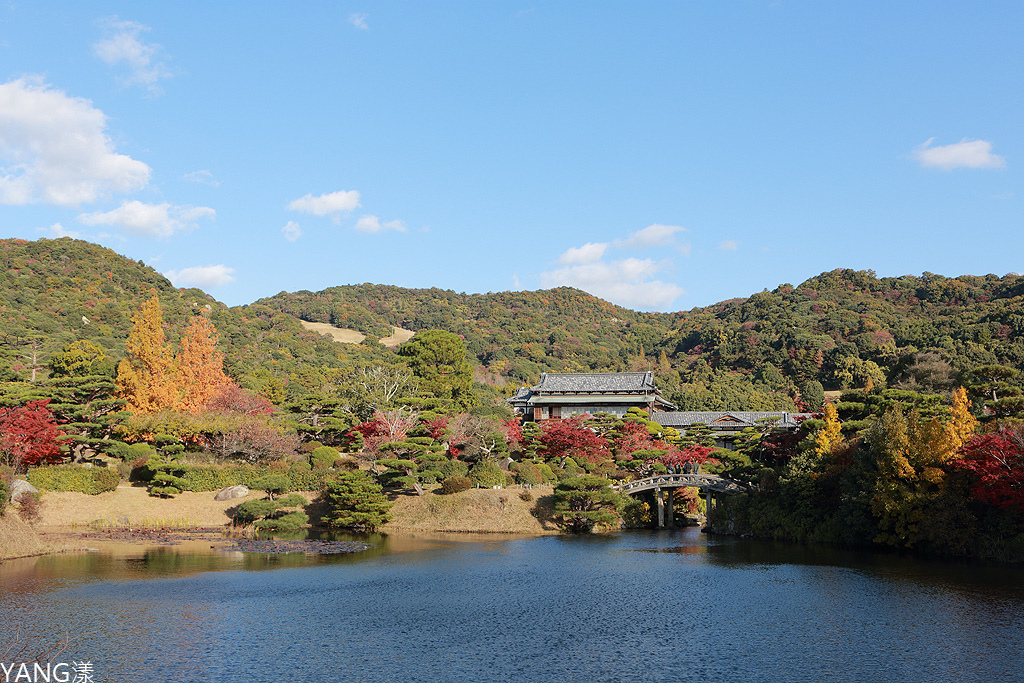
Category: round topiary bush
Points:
column 486, row 473
column 456, row 485
column 323, row 457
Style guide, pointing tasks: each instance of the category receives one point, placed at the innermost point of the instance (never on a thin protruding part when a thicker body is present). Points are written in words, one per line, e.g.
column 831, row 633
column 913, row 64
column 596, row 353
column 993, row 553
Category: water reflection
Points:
column 652, row 605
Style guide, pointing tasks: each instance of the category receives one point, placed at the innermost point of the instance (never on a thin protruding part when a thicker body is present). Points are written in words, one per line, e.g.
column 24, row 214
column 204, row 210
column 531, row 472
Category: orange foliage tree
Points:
column 200, row 374
column 145, row 378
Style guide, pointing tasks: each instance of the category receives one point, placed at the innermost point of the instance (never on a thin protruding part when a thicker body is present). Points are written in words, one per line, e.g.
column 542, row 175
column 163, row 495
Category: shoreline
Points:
column 70, row 522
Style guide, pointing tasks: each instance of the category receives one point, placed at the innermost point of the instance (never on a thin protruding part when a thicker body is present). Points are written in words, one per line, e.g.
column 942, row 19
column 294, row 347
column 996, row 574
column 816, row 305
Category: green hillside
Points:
column 843, row 329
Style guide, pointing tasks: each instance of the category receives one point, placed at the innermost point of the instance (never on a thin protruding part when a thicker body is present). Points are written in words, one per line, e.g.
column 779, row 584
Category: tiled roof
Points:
column 738, row 418
column 596, row 382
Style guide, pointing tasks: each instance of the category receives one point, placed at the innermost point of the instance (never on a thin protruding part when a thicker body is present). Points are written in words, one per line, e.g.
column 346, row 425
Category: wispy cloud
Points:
column 54, row 149
column 963, row 154
column 291, row 231
column 588, row 253
column 626, row 281
column 57, row 230
column 203, row 177
column 123, row 46
column 728, row 245
column 358, row 19
column 201, row 276
column 331, row 204
column 656, row 235
column 372, row 224
column 150, row 220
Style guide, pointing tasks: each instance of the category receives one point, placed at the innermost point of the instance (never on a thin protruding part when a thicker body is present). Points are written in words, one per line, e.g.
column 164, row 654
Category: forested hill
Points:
column 842, row 329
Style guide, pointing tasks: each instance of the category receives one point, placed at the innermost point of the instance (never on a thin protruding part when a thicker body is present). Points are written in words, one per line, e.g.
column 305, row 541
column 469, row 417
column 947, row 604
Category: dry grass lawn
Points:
column 347, row 336
column 187, row 509
column 18, row 539
column 476, row 510
column 398, row 336
column 338, row 334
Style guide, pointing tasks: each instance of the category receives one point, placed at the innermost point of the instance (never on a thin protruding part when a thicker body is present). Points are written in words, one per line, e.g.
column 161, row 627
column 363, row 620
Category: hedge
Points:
column 92, row 480
column 212, row 478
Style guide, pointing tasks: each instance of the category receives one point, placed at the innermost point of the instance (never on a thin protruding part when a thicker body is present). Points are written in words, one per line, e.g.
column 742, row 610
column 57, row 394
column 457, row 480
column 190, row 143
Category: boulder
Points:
column 20, row 486
column 232, row 492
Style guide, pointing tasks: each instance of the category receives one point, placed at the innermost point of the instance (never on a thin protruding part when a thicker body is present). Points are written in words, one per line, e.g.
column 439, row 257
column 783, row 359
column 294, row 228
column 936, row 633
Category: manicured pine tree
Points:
column 356, row 501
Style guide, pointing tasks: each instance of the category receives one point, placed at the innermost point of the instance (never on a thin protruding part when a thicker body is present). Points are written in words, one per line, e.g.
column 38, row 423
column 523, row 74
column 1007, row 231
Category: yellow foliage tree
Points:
column 831, row 435
column 961, row 422
column 200, row 374
column 144, row 377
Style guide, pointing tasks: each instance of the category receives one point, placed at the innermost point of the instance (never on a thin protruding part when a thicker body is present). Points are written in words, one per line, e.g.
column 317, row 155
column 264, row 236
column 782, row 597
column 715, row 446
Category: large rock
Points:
column 20, row 486
column 232, row 492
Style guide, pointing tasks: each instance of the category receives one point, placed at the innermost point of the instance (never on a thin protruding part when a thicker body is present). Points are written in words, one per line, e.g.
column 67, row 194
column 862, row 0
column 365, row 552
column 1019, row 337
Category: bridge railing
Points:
column 702, row 481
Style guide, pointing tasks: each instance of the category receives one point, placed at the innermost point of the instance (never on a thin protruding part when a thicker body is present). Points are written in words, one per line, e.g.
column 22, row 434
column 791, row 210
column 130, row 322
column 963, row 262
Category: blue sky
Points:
column 661, row 155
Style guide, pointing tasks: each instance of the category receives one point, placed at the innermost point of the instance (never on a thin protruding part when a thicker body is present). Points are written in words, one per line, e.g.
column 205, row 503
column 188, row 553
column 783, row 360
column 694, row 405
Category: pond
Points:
column 651, row 606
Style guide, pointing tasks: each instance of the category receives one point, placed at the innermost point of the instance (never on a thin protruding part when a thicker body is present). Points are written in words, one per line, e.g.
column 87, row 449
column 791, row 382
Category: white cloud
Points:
column 728, row 245
column 202, row 176
column 656, row 235
column 372, row 224
column 291, row 231
column 201, row 276
column 124, row 46
column 963, row 154
column 57, row 230
column 151, row 220
column 332, row 204
column 627, row 282
column 358, row 19
column 588, row 253
column 54, row 149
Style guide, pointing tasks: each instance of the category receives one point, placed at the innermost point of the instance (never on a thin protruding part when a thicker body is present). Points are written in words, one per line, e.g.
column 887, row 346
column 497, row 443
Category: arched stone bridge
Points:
column 708, row 482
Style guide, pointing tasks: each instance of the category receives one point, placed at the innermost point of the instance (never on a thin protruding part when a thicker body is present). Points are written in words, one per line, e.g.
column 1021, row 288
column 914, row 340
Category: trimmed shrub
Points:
column 486, row 473
column 92, row 480
column 454, row 468
column 526, row 473
column 251, row 510
column 547, row 475
column 456, row 485
column 274, row 484
column 291, row 500
column 118, row 449
column 290, row 521
column 323, row 457
column 525, row 496
column 140, row 450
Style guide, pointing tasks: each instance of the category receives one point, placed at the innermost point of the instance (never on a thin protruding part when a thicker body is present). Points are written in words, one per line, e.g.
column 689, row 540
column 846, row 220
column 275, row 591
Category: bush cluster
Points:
column 3, row 497
column 456, row 484
column 200, row 478
column 92, row 480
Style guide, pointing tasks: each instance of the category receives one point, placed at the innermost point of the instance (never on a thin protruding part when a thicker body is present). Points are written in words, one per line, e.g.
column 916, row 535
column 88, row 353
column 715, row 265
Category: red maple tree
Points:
column 28, row 435
column 569, row 438
column 997, row 459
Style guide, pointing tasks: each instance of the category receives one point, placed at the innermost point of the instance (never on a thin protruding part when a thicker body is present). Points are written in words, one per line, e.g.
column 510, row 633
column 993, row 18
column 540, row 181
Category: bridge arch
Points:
column 709, row 483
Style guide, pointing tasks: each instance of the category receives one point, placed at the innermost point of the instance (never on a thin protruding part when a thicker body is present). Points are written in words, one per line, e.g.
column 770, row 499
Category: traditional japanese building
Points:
column 564, row 395
column 725, row 425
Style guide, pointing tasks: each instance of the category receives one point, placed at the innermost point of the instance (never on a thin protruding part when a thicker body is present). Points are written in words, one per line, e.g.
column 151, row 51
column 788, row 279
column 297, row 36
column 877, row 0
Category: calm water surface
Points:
column 665, row 606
